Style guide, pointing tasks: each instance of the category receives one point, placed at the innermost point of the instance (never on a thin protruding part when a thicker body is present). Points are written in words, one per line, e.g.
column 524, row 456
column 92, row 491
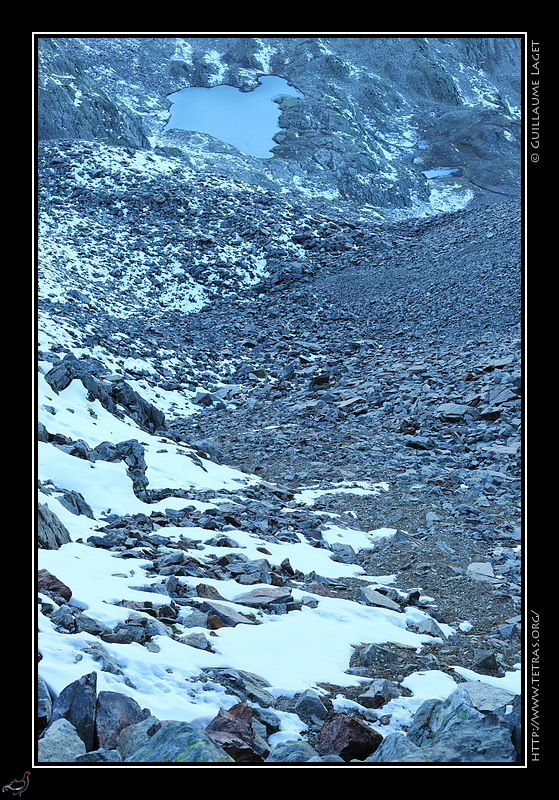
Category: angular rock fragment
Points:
column 372, row 655
column 246, row 685
column 76, row 703
column 375, row 598
column 49, row 582
column 51, row 533
column 485, row 661
column 60, row 743
column 348, row 737
column 114, row 712
column 430, row 627
column 196, row 640
column 310, row 707
column 451, row 412
column 106, row 661
column 233, row 730
column 486, row 697
column 63, row 619
column 225, row 613
column 265, row 596
column 379, row 693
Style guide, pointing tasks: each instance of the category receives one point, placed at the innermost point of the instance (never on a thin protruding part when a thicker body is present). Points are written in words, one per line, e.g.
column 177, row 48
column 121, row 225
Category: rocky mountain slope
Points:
column 279, row 407
column 376, row 114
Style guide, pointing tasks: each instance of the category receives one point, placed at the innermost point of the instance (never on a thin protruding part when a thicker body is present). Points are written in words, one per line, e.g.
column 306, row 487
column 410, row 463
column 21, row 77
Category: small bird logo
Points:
column 17, row 787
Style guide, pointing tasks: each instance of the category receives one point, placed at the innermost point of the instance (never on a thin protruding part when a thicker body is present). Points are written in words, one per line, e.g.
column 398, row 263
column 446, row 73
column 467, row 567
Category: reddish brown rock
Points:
column 264, row 595
column 347, row 736
column 114, row 712
column 232, row 730
column 50, row 583
column 321, row 589
column 214, row 622
column 137, row 605
column 205, row 590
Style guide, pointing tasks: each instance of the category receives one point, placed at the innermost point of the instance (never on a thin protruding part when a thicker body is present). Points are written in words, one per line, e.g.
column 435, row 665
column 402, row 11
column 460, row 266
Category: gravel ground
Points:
column 431, row 319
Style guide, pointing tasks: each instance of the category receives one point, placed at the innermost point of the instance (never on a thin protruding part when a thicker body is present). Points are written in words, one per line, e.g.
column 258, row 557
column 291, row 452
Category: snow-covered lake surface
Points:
column 247, row 120
column 442, row 172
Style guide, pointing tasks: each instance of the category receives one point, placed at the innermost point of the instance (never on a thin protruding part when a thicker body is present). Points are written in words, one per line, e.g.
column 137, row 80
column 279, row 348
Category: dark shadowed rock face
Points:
column 76, row 703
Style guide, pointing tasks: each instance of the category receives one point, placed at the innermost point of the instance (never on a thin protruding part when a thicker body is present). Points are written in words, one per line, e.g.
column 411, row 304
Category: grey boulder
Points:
column 60, row 743
column 180, row 743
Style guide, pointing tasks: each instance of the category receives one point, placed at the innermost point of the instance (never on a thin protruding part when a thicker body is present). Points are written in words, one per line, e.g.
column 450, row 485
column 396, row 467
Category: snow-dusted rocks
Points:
column 224, row 587
column 112, row 727
column 363, row 131
column 279, row 413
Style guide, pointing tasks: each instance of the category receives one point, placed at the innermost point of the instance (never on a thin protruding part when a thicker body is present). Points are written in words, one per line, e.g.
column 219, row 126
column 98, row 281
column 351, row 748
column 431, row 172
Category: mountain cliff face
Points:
column 279, row 405
column 376, row 113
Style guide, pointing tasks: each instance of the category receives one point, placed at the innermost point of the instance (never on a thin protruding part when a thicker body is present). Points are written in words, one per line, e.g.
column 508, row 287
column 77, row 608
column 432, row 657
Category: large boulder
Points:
column 180, row 743
column 97, row 756
column 44, row 705
column 135, row 736
column 60, row 743
column 233, row 730
column 114, row 712
column 453, row 730
column 397, row 748
column 76, row 703
column 51, row 533
column 347, row 736
column 291, row 752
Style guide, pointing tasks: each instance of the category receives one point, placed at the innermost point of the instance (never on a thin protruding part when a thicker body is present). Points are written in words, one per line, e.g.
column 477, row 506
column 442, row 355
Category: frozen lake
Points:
column 442, row 172
column 247, row 120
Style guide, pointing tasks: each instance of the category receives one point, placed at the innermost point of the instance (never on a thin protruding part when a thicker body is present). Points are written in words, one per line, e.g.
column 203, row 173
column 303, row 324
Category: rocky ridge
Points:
column 377, row 112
